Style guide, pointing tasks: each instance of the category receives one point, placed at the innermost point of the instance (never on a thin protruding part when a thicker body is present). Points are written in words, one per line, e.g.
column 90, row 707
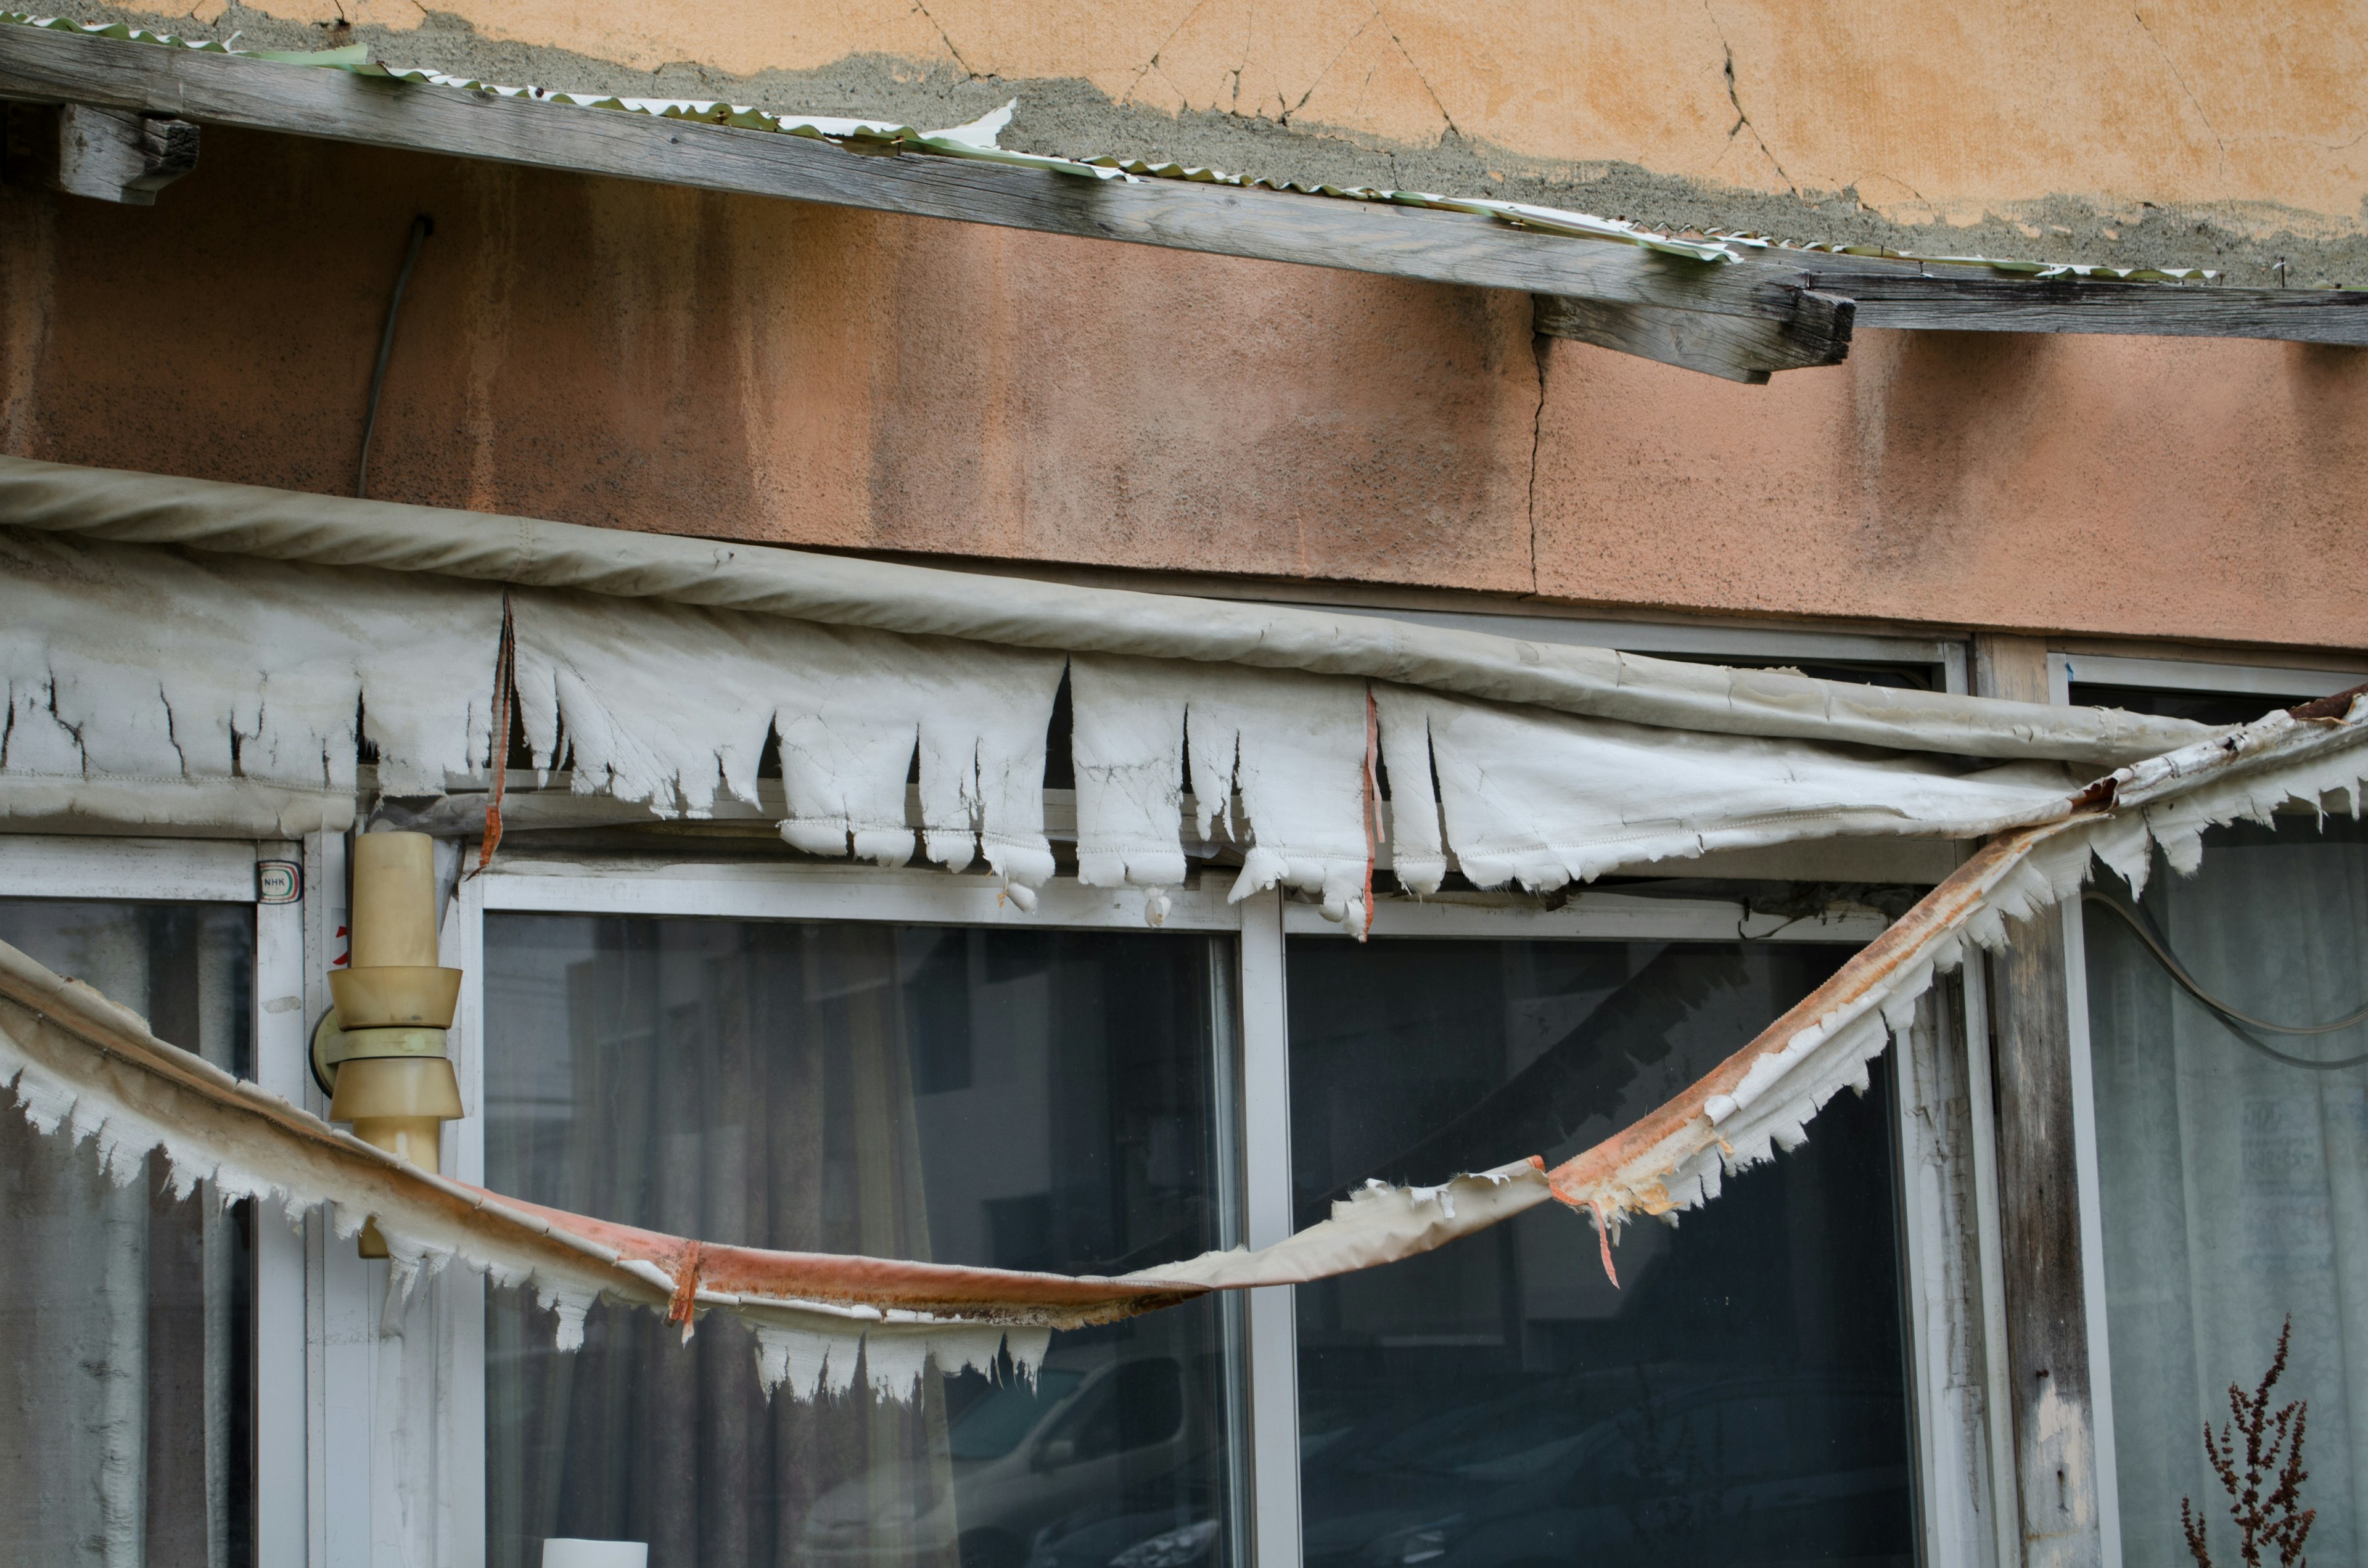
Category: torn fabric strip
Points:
column 149, row 688
column 671, row 705
column 80, row 1065
column 1761, row 1098
column 250, row 520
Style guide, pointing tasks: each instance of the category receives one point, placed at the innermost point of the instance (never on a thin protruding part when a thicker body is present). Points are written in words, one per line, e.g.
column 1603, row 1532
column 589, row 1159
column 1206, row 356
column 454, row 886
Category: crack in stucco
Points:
column 1742, row 116
column 1153, row 63
column 1539, row 349
column 2177, row 75
column 1407, row 55
column 1320, row 77
column 947, row 38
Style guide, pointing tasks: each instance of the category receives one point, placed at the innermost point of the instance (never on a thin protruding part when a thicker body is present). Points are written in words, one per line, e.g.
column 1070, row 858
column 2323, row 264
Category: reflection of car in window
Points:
column 1160, row 1525
column 993, row 1425
column 1023, row 1454
column 1138, row 1403
column 1800, row 1469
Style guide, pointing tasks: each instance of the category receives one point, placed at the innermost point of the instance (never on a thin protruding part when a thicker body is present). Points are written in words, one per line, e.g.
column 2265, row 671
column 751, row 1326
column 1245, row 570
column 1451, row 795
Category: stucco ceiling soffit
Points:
column 1643, row 292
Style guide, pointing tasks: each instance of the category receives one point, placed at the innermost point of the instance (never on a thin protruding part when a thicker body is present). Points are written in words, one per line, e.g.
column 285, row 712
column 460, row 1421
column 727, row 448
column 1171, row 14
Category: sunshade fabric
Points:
column 169, row 682
column 890, row 597
column 79, row 1063
column 148, row 685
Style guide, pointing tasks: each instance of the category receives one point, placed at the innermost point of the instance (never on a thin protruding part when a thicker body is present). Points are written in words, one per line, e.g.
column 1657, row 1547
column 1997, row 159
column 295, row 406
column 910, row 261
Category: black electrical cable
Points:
column 2231, row 1018
column 421, row 227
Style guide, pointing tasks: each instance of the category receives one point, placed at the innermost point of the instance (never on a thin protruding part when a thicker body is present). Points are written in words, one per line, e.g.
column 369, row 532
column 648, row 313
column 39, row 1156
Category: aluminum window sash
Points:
column 196, row 871
column 177, row 870
column 798, row 891
column 2186, row 675
column 2170, row 675
column 1591, row 916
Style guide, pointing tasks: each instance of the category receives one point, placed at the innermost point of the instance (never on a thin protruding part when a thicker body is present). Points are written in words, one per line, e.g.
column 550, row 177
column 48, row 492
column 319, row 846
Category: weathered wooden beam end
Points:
column 1814, row 330
column 117, row 156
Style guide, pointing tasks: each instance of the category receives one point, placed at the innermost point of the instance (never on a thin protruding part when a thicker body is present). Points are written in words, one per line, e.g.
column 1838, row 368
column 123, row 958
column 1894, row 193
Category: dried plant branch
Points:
column 2274, row 1520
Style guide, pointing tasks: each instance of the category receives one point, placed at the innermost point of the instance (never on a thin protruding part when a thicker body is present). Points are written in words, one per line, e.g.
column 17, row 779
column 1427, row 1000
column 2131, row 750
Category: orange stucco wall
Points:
column 1929, row 111
column 643, row 357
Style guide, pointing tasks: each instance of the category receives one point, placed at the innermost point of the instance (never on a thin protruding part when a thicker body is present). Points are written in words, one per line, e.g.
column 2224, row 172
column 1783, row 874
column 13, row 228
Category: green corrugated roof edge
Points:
column 979, row 140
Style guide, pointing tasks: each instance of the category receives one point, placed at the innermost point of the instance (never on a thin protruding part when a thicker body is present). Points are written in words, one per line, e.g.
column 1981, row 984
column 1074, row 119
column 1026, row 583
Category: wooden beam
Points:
column 1960, row 298
column 114, row 156
column 2038, row 1209
column 41, row 64
column 1739, row 349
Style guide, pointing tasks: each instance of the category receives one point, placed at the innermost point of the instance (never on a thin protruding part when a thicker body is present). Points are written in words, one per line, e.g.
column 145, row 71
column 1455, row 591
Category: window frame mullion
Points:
column 1265, row 1162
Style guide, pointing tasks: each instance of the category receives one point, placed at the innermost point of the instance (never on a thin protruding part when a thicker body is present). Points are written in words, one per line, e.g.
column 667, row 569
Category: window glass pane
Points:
column 125, row 1350
column 1024, row 1099
column 2234, row 1187
column 1498, row 1403
column 2203, row 706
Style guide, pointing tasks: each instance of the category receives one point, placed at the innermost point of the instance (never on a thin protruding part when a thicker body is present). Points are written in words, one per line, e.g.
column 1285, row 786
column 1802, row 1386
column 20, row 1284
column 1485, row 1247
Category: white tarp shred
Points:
column 1545, row 799
column 144, row 686
column 1760, row 1099
column 671, row 705
column 887, row 596
column 1290, row 746
column 79, row 1064
column 1376, row 1223
column 149, row 685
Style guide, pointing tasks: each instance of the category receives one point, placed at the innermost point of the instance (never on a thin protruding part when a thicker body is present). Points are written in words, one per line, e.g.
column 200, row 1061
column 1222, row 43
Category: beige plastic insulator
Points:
column 398, row 1104
column 395, row 901
column 412, row 996
column 393, row 1004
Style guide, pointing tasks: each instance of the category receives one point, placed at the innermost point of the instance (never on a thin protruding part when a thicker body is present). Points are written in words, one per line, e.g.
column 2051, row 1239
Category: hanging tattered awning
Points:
column 211, row 657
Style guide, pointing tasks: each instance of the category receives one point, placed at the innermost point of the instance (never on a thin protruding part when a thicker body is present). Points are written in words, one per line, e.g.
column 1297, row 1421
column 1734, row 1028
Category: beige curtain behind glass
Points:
column 121, row 1307
column 741, row 1082
column 2236, row 1187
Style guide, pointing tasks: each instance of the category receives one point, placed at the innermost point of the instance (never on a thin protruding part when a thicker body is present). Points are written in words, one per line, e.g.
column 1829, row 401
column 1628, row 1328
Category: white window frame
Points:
column 653, row 886
column 195, row 871
column 2274, row 684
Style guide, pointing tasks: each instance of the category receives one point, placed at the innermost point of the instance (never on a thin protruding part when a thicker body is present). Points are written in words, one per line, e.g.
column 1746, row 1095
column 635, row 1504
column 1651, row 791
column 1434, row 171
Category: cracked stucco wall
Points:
column 2224, row 135
column 641, row 357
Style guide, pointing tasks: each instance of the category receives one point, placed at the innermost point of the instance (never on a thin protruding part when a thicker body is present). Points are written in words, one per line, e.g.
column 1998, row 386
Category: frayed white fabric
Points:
column 149, row 688
column 669, row 706
column 79, row 1064
column 1761, row 1099
column 1544, row 798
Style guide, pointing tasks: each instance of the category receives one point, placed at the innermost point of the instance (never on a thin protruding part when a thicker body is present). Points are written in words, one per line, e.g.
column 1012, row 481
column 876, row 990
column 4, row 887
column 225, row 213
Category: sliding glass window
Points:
column 125, row 1429
column 1021, row 1098
column 1737, row 1397
column 2233, row 1167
